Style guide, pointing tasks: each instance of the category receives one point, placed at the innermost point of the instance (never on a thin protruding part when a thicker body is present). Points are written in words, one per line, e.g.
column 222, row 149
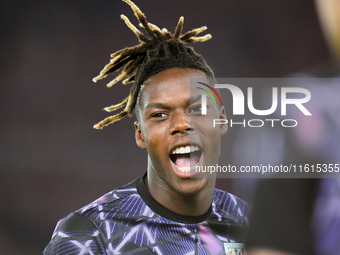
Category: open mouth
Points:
column 186, row 157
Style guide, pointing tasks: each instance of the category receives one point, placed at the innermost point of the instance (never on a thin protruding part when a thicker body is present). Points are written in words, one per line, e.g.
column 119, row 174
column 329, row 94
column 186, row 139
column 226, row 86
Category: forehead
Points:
column 169, row 85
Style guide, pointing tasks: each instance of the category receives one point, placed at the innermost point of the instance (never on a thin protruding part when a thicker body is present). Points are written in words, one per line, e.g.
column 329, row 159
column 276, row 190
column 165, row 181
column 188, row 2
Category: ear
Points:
column 223, row 115
column 139, row 136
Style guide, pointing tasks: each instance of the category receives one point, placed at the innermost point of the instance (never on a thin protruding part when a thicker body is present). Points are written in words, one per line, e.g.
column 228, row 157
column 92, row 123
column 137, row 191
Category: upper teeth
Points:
column 186, row 149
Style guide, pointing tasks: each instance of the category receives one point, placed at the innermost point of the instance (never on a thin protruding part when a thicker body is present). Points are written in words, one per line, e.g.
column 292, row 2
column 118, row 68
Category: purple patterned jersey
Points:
column 129, row 221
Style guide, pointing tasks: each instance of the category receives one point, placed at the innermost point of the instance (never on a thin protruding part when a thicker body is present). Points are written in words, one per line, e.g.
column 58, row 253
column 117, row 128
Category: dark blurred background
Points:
column 52, row 160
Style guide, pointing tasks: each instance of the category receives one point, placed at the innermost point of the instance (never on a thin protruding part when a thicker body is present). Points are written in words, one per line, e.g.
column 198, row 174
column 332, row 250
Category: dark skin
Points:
column 169, row 118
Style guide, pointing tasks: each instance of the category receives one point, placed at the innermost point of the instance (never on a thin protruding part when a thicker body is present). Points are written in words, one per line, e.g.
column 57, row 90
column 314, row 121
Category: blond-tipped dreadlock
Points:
column 160, row 52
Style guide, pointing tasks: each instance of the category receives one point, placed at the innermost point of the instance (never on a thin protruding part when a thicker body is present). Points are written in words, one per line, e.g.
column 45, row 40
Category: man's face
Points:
column 175, row 133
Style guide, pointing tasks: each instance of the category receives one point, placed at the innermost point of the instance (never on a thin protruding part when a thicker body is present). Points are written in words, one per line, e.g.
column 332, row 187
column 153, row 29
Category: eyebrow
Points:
column 166, row 106
column 157, row 105
column 196, row 98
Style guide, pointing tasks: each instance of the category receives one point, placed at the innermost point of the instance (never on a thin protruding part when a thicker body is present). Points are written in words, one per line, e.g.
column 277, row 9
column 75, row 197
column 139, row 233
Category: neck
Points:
column 192, row 203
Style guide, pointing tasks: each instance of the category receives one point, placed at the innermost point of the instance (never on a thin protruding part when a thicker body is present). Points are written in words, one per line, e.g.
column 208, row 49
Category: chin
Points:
column 193, row 186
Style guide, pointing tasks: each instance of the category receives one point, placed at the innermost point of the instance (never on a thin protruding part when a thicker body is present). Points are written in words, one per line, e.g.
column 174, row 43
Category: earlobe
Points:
column 223, row 115
column 139, row 136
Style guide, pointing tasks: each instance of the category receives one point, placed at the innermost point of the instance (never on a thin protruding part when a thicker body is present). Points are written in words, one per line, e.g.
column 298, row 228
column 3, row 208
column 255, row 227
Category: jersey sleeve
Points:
column 75, row 235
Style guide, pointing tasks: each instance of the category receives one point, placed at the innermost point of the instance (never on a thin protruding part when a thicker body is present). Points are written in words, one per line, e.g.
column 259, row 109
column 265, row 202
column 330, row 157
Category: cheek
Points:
column 211, row 137
column 212, row 148
column 154, row 138
column 207, row 123
column 206, row 127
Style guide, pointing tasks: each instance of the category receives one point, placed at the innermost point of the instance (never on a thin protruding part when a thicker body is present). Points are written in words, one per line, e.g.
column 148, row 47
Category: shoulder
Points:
column 74, row 233
column 229, row 218
column 115, row 199
column 74, row 224
column 231, row 206
column 225, row 199
column 119, row 198
column 85, row 226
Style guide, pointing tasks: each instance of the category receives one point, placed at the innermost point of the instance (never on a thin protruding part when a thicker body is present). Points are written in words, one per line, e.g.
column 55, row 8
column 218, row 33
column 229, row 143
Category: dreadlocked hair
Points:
column 161, row 51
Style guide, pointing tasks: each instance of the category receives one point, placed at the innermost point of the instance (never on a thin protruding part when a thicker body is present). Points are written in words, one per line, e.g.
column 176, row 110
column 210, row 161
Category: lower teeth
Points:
column 186, row 169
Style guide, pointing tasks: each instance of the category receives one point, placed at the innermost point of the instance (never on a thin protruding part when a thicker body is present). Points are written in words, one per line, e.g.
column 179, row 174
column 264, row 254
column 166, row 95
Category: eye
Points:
column 158, row 115
column 196, row 109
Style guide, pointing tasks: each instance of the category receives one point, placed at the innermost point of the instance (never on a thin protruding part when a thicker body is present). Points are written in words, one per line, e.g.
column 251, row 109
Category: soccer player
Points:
column 167, row 210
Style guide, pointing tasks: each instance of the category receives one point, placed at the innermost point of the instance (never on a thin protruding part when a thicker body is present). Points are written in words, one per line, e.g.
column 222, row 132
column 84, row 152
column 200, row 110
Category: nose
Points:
column 180, row 123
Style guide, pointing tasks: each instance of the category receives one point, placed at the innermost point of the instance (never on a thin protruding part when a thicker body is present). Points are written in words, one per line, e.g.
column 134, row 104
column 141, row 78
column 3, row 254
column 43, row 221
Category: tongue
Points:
column 185, row 160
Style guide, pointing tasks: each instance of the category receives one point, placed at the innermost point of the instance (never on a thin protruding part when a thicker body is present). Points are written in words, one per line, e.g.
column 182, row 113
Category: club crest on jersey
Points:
column 234, row 249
